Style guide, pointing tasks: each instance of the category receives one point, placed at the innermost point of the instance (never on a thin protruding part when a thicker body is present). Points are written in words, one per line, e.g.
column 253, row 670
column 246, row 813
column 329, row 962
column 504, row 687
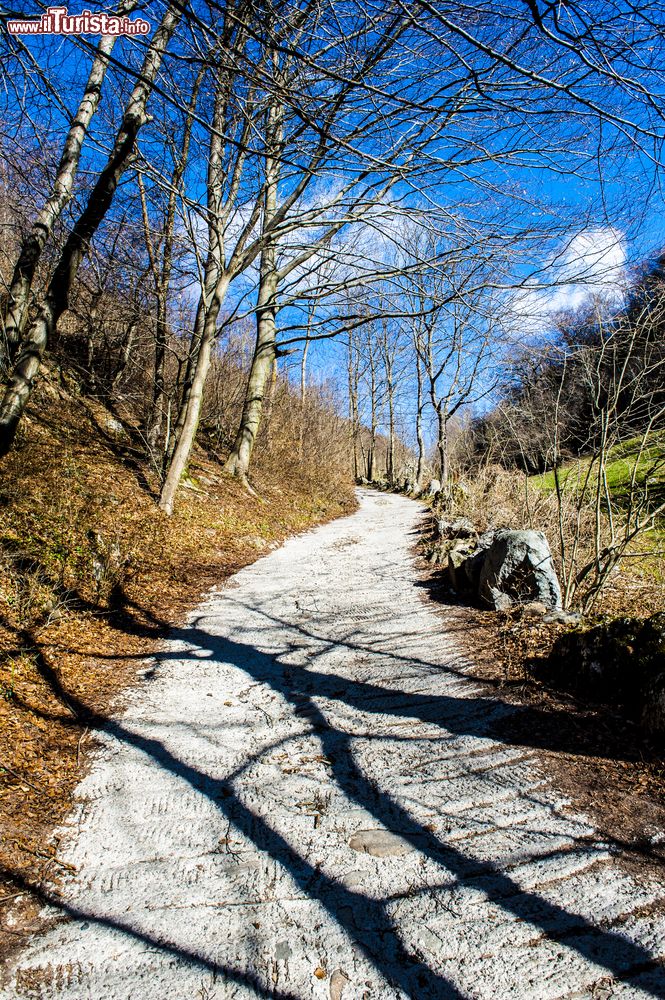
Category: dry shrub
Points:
column 307, row 436
column 501, row 498
column 302, row 439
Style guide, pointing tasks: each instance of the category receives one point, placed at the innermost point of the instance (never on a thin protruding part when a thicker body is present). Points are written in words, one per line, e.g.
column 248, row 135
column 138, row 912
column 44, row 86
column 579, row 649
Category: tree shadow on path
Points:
column 365, row 920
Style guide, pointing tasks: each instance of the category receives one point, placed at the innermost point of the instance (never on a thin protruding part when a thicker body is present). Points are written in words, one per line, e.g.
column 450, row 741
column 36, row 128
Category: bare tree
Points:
column 56, row 298
column 42, row 227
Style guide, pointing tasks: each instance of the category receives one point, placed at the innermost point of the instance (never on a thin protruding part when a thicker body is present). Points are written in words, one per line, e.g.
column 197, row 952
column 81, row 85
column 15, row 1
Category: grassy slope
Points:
column 92, row 576
column 623, row 459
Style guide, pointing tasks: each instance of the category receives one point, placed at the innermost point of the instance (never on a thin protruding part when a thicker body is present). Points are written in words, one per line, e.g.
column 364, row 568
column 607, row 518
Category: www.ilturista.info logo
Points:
column 58, row 21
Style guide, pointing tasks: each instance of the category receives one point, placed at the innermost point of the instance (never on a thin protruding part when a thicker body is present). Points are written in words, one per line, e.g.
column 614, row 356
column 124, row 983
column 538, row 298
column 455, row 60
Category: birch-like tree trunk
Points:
column 215, row 284
column 162, row 270
column 192, row 411
column 371, row 451
column 442, row 445
column 303, row 389
column 56, row 299
column 261, row 367
column 352, row 371
column 39, row 233
column 420, row 438
column 390, row 390
column 264, row 356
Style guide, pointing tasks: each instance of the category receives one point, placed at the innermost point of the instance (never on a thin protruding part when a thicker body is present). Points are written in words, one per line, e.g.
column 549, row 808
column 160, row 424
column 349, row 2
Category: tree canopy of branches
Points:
column 272, row 160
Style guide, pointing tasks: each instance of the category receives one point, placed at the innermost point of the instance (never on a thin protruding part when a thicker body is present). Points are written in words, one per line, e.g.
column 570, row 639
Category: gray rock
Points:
column 518, row 568
column 434, row 487
column 338, row 981
column 114, row 428
column 535, row 609
column 380, row 843
column 462, row 527
column 563, row 617
column 283, row 951
column 464, row 564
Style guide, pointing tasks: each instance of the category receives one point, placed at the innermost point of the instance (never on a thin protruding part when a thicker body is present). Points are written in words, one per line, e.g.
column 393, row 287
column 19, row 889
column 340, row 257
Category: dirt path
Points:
column 308, row 799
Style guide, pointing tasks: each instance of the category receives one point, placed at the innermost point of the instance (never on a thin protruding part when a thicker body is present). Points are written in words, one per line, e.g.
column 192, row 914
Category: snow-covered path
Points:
column 308, row 798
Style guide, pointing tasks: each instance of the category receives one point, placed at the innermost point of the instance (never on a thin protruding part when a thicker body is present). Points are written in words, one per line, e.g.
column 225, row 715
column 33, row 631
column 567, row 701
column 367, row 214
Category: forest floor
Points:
column 313, row 791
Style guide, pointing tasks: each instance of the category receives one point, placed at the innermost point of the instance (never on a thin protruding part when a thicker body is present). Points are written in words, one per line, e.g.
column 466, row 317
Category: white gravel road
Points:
column 308, row 798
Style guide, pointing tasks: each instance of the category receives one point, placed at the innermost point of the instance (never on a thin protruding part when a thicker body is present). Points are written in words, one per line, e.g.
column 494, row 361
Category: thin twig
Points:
column 42, row 791
column 50, row 858
column 78, row 745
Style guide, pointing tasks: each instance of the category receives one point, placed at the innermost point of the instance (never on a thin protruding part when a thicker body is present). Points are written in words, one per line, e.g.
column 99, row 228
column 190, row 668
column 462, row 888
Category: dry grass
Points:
column 498, row 498
column 93, row 575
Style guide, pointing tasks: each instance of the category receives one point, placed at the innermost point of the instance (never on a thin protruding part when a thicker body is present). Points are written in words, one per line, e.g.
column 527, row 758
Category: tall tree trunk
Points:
column 303, row 370
column 155, row 421
column 371, row 452
column 56, row 300
column 91, row 323
column 186, row 382
column 442, row 445
column 162, row 274
column 420, row 468
column 259, row 373
column 266, row 308
column 390, row 462
column 215, row 284
column 35, row 240
column 270, row 401
column 192, row 410
column 352, row 371
column 126, row 352
column 303, row 392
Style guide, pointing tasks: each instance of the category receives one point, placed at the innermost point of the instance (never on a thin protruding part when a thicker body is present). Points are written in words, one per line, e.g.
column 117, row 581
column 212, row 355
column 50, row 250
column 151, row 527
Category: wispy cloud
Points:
column 590, row 266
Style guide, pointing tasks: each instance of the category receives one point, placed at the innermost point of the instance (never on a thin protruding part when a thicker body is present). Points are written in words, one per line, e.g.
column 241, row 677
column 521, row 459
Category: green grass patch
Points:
column 625, row 460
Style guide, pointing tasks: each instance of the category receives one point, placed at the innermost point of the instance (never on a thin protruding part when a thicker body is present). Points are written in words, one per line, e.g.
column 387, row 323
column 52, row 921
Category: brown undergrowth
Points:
column 604, row 764
column 93, row 575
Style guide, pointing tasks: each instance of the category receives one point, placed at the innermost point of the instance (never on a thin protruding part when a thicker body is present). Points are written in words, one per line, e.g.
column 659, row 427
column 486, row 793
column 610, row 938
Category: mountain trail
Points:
column 309, row 797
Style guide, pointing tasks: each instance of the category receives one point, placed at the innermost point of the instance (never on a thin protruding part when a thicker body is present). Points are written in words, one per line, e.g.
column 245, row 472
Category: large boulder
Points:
column 466, row 556
column 462, row 564
column 517, row 568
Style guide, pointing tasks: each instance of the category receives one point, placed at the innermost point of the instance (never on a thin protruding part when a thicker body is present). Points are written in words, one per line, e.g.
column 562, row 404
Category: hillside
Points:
column 93, row 576
column 628, row 462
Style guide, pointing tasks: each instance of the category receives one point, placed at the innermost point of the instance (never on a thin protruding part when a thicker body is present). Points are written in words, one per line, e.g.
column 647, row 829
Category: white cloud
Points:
column 590, row 266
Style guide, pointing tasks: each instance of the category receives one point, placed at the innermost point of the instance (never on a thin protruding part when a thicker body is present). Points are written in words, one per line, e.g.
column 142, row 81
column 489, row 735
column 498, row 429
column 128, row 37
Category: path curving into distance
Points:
column 308, row 798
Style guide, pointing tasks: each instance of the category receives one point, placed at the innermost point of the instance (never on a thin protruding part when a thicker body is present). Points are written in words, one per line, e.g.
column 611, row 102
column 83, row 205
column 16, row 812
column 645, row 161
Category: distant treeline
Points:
column 602, row 376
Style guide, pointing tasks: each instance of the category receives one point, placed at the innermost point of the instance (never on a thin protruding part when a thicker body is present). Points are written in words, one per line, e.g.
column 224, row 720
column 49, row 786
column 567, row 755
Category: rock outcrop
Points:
column 518, row 569
column 501, row 568
column 620, row 663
